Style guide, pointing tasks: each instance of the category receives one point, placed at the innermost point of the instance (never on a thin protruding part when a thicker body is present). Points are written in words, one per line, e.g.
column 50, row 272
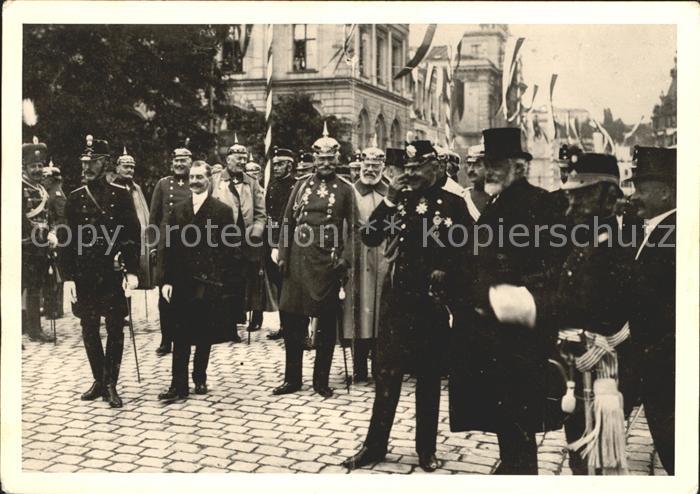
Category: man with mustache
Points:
column 314, row 257
column 497, row 382
column 418, row 294
column 369, row 266
column 37, row 235
column 276, row 197
column 124, row 176
column 202, row 280
column 653, row 320
column 246, row 198
column 475, row 195
column 355, row 165
column 104, row 233
column 167, row 193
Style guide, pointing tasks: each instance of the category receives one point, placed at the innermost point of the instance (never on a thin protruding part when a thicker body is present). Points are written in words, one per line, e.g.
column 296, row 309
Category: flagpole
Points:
column 268, row 103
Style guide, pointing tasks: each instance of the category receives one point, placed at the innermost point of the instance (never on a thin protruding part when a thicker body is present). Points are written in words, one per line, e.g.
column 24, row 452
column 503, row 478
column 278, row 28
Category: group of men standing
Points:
column 394, row 265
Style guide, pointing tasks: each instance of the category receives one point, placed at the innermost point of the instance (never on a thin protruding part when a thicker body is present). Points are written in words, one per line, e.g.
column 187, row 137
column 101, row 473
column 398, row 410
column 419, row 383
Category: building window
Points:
column 396, row 65
column 396, row 134
column 380, row 132
column 476, row 51
column 364, row 52
column 363, row 129
column 381, row 58
column 231, row 52
column 304, row 46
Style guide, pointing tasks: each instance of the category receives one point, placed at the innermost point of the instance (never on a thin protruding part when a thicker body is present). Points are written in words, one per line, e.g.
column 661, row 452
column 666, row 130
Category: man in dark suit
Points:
column 103, row 212
column 497, row 383
column 202, row 279
column 653, row 322
column 418, row 219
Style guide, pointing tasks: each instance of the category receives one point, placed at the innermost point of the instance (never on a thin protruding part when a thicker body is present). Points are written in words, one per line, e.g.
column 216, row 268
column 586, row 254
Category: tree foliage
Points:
column 145, row 87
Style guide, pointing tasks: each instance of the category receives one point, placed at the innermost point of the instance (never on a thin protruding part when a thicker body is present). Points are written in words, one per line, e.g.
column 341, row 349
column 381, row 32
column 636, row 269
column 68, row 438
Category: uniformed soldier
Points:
column 453, row 165
column 591, row 293
column 245, row 196
column 476, row 173
column 124, row 176
column 355, row 165
column 447, row 182
column 369, row 267
column 53, row 296
column 419, row 291
column 276, row 198
column 37, row 236
column 252, row 169
column 313, row 258
column 167, row 193
column 305, row 167
column 104, row 230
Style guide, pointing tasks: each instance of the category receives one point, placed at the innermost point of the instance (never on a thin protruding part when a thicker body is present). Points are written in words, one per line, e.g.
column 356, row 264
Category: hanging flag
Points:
column 553, row 122
column 420, row 54
column 342, row 53
column 507, row 76
column 532, row 101
column 634, row 129
column 457, row 101
column 568, row 126
column 606, row 136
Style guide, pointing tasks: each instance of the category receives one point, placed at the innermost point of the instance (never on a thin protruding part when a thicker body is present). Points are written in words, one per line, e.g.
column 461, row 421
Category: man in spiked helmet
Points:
column 355, row 165
column 37, row 236
column 369, row 266
column 245, row 196
column 100, row 265
column 124, row 175
column 167, row 193
column 314, row 257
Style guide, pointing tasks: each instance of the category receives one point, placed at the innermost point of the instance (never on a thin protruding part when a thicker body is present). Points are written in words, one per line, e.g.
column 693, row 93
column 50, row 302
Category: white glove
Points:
column 167, row 292
column 275, row 255
column 130, row 283
column 513, row 304
column 52, row 239
column 69, row 286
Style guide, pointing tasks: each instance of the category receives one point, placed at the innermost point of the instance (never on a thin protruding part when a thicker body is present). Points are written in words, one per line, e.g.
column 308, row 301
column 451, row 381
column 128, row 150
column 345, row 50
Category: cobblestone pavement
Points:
column 239, row 426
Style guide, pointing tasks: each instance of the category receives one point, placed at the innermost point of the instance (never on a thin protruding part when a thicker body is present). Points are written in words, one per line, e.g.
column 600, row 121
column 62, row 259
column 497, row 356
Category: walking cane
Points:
column 341, row 298
column 145, row 302
column 55, row 276
column 588, row 408
column 122, row 267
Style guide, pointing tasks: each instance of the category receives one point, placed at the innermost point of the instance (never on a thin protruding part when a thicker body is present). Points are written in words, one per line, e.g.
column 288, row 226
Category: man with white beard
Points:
column 369, row 266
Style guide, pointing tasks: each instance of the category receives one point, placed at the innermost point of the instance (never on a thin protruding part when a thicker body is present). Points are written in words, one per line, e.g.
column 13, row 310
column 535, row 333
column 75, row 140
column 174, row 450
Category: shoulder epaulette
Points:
column 344, row 180
column 117, row 185
column 78, row 189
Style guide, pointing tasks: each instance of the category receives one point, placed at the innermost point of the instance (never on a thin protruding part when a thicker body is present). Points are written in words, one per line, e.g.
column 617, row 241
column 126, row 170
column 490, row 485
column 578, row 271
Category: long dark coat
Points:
column 98, row 285
column 413, row 334
column 499, row 371
column 207, row 279
column 319, row 218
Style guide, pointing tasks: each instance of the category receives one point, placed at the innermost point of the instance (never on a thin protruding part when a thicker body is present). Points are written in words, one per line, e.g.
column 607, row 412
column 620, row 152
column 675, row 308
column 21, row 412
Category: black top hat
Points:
column 592, row 168
column 419, row 150
column 34, row 152
column 654, row 163
column 282, row 154
column 95, row 148
column 503, row 143
column 395, row 157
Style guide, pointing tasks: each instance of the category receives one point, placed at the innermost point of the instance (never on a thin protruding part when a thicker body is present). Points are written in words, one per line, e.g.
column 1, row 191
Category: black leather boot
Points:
column 112, row 397
column 286, row 388
column 364, row 457
column 429, row 463
column 95, row 391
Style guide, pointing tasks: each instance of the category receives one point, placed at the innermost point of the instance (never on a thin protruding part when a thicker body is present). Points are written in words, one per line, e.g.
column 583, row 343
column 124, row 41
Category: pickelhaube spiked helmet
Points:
column 237, row 148
column 125, row 158
column 326, row 145
column 373, row 154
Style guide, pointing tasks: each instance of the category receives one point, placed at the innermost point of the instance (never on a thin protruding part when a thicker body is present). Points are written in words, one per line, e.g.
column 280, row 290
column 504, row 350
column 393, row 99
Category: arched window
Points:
column 396, row 135
column 363, row 130
column 380, row 130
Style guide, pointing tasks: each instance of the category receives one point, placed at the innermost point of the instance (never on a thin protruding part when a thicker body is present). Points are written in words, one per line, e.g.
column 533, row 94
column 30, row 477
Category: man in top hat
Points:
column 37, row 236
column 419, row 220
column 476, row 173
column 245, row 196
column 369, row 267
column 124, row 176
column 653, row 321
column 100, row 264
column 591, row 292
column 276, row 197
column 314, row 257
column 305, row 167
column 167, row 193
column 355, row 165
column 497, row 383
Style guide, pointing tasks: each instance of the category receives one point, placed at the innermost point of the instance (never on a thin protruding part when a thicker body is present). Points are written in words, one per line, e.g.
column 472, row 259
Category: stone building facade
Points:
column 663, row 118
